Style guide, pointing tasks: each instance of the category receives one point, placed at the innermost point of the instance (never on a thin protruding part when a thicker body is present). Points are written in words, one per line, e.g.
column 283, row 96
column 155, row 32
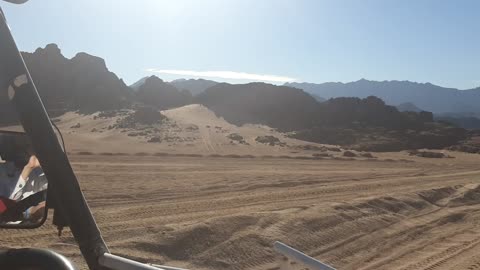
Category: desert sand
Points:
column 205, row 203
column 191, row 129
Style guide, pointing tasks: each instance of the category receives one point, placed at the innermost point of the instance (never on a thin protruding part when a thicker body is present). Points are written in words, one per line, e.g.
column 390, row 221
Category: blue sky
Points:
column 435, row 41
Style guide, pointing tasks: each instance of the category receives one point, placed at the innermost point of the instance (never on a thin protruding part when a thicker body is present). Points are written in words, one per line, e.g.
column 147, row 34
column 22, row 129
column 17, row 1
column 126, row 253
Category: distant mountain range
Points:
column 317, row 112
column 427, row 96
column 195, row 86
column 406, row 95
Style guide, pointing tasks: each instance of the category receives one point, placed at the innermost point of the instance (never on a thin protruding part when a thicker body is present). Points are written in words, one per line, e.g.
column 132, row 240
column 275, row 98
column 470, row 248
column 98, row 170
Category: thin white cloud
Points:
column 476, row 83
column 231, row 75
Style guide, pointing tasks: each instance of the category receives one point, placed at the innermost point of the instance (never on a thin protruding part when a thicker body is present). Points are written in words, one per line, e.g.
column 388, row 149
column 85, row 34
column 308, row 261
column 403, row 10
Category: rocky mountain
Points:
column 195, row 86
column 368, row 112
column 427, row 96
column 162, row 95
column 463, row 122
column 318, row 98
column 369, row 124
column 408, row 107
column 366, row 124
column 281, row 107
column 82, row 83
column 138, row 83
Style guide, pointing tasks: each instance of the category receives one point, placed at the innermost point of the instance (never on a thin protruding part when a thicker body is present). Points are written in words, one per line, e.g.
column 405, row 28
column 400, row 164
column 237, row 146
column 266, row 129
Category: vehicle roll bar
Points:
column 63, row 185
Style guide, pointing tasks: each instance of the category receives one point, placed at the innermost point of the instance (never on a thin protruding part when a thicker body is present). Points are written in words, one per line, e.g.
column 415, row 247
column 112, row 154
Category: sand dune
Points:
column 189, row 129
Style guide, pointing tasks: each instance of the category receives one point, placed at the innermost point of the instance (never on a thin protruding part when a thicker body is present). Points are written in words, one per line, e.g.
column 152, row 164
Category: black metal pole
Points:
column 69, row 199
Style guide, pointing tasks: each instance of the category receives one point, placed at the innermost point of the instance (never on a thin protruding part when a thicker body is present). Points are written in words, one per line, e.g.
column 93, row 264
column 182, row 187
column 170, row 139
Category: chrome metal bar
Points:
column 119, row 263
column 300, row 257
column 167, row 267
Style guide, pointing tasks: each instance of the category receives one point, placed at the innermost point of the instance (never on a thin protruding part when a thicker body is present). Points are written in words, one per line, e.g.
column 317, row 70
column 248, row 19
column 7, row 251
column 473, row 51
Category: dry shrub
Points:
column 427, row 154
column 188, row 155
column 304, row 157
column 349, row 154
column 321, row 155
column 367, row 155
column 233, row 156
column 161, row 154
column 334, row 149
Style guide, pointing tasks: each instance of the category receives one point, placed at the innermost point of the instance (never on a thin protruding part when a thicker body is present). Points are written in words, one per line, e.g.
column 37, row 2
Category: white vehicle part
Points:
column 119, row 263
column 299, row 257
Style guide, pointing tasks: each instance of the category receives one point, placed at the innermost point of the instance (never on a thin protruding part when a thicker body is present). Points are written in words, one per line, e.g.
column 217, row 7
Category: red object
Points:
column 3, row 207
column 5, row 203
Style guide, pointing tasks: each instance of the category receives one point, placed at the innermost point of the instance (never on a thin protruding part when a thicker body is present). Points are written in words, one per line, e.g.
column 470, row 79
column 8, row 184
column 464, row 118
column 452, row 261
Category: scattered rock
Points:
column 367, row 155
column 349, row 154
column 321, row 155
column 76, row 126
column 236, row 137
column 155, row 139
column 270, row 140
column 140, row 117
column 191, row 128
column 170, row 138
column 334, row 149
column 135, row 134
column 428, row 154
column 310, row 147
column 106, row 114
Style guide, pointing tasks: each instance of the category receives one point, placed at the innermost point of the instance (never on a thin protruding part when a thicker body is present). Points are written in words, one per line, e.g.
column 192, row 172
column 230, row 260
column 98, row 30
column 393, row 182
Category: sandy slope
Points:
column 193, row 128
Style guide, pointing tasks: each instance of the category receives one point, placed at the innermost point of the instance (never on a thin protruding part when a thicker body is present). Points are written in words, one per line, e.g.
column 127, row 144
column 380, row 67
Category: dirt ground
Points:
column 226, row 213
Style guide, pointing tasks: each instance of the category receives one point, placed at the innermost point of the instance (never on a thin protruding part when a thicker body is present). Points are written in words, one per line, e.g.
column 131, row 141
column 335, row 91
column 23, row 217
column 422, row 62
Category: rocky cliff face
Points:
column 280, row 107
column 157, row 93
column 82, row 83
